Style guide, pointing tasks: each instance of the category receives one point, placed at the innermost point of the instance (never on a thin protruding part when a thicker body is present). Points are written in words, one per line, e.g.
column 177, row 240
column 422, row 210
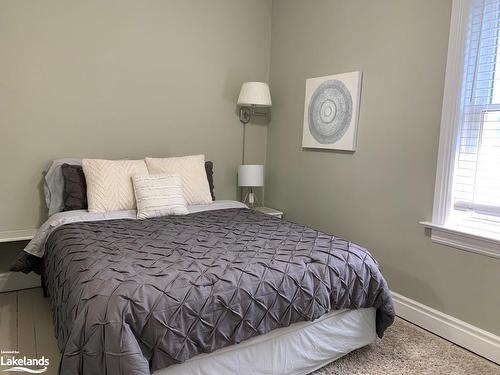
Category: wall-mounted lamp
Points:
column 253, row 95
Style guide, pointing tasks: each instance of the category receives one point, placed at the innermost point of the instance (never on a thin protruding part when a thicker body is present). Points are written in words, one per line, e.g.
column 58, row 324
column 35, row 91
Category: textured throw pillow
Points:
column 109, row 183
column 192, row 171
column 75, row 188
column 159, row 195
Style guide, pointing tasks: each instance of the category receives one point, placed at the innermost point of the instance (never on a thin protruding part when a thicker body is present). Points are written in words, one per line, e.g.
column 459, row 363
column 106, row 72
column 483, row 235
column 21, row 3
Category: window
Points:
column 476, row 180
column 467, row 198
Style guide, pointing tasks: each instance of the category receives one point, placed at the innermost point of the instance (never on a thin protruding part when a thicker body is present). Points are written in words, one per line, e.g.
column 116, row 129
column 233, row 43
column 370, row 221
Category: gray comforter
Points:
column 132, row 296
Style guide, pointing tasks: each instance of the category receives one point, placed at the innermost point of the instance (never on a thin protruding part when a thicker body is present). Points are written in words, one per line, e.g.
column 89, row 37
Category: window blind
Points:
column 476, row 180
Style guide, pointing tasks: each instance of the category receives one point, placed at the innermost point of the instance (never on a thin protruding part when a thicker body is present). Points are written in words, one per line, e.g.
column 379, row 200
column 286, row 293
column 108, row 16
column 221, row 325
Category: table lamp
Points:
column 250, row 176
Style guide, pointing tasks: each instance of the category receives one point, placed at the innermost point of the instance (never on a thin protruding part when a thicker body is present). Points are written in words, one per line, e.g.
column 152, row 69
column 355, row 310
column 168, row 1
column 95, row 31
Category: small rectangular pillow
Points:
column 191, row 169
column 159, row 195
column 109, row 183
column 75, row 188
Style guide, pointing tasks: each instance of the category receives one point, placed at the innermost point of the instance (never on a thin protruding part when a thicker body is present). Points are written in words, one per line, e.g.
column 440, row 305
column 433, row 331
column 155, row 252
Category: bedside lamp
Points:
column 250, row 176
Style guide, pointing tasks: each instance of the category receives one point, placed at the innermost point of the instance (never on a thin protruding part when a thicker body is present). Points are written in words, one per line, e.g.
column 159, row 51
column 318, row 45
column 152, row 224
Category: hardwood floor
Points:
column 26, row 326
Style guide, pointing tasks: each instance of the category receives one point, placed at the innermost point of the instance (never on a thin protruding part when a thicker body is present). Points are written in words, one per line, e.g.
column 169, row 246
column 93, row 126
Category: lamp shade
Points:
column 255, row 93
column 251, row 175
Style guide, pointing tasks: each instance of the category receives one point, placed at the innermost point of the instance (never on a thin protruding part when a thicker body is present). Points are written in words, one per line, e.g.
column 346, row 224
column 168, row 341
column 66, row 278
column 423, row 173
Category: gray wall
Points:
column 124, row 78
column 377, row 195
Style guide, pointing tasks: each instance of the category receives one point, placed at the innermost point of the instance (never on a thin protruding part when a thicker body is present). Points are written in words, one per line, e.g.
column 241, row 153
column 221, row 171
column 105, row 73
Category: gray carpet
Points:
column 407, row 349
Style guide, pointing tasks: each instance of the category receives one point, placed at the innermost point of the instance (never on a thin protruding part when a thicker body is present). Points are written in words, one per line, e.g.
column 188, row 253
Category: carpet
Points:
column 408, row 349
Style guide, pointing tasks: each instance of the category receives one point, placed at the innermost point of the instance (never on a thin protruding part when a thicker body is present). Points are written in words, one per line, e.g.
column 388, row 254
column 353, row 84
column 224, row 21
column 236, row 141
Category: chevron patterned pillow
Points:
column 109, row 183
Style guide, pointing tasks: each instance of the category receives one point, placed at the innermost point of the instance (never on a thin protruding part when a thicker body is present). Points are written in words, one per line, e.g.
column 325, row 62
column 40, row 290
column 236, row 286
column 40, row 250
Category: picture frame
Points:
column 331, row 111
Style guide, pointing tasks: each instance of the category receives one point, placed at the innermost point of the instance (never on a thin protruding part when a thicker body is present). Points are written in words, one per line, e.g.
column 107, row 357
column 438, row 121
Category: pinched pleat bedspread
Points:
column 134, row 296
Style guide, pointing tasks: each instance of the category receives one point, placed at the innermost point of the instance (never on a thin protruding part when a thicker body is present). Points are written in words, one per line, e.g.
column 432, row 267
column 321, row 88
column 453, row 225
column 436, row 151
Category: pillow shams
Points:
column 193, row 173
column 209, row 169
column 75, row 188
column 109, row 183
column 53, row 184
column 159, row 195
column 59, row 198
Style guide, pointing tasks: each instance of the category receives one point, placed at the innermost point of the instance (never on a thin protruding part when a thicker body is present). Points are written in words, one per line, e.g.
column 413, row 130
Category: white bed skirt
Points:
column 295, row 350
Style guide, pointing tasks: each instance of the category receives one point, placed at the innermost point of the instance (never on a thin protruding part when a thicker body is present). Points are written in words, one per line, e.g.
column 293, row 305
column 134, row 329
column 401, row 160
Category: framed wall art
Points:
column 331, row 111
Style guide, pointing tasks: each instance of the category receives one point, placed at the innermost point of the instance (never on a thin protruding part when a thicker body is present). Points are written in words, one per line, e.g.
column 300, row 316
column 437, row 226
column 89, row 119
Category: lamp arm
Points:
column 246, row 112
column 255, row 113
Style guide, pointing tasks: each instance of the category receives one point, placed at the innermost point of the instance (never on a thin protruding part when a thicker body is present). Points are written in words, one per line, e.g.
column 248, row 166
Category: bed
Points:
column 205, row 293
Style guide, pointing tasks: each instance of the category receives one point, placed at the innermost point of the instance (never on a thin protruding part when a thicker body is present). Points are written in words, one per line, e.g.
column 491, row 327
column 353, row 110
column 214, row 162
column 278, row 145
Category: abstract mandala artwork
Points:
column 331, row 111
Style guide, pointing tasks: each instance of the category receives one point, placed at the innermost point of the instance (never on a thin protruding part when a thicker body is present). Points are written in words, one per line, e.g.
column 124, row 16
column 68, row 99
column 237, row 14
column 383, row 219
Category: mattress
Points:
column 295, row 350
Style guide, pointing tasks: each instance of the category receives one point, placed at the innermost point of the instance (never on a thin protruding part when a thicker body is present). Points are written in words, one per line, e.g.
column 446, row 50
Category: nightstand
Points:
column 11, row 243
column 270, row 211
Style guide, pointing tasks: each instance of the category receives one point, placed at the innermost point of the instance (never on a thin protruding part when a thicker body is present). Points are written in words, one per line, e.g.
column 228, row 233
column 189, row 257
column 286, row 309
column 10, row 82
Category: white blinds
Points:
column 476, row 183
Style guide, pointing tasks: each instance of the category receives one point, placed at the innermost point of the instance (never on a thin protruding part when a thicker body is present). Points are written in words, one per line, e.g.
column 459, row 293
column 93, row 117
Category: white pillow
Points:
column 192, row 171
column 109, row 183
column 159, row 195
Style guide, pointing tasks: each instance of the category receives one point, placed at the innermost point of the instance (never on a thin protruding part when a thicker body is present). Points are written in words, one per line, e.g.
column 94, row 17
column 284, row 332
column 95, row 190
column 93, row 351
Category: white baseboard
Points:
column 461, row 333
column 10, row 281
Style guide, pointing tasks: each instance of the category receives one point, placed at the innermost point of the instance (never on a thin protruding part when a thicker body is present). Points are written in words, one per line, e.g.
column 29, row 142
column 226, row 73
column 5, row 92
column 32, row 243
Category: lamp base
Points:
column 245, row 114
column 251, row 199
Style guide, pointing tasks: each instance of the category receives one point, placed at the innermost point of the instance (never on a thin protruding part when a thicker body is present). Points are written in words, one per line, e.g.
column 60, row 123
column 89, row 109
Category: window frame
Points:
column 441, row 233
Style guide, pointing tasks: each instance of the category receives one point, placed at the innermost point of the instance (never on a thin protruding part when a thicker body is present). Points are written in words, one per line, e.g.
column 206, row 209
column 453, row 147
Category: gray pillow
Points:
column 75, row 188
column 53, row 184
